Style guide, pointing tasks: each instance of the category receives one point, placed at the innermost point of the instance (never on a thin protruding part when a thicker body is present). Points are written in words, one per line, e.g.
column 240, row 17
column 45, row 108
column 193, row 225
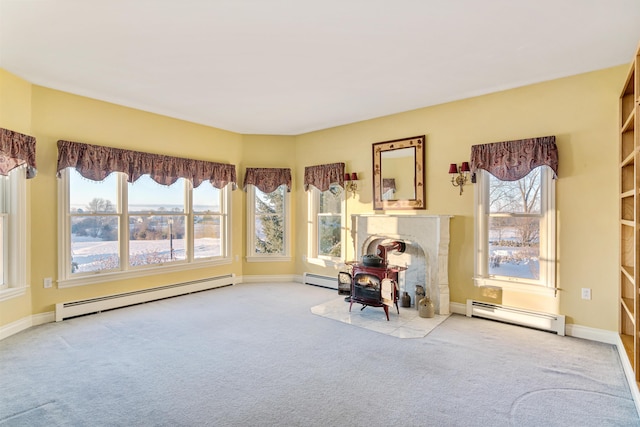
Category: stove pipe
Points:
column 396, row 246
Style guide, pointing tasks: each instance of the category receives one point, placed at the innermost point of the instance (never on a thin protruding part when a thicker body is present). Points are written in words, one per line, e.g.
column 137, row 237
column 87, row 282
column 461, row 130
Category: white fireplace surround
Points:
column 427, row 255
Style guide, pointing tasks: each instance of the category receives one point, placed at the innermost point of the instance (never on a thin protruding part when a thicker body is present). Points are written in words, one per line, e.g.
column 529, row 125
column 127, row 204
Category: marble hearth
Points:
column 427, row 254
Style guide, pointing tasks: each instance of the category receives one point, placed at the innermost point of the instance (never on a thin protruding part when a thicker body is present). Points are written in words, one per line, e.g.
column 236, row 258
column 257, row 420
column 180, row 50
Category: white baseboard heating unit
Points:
column 318, row 280
column 517, row 316
column 95, row 305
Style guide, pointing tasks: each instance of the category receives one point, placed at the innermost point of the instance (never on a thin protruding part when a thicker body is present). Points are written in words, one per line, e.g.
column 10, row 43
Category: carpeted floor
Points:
column 255, row 355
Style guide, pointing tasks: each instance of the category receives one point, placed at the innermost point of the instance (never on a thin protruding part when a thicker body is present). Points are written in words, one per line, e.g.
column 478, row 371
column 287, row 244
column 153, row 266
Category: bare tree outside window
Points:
column 514, row 226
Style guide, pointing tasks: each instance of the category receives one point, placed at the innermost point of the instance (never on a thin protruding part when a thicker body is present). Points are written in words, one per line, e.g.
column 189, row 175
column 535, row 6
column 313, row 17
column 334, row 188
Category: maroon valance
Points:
column 322, row 176
column 17, row 149
column 96, row 162
column 513, row 160
column 267, row 179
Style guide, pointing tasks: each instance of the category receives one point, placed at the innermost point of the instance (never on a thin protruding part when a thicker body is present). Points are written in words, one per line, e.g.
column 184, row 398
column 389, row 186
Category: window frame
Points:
column 547, row 284
column 14, row 192
column 125, row 271
column 251, row 254
column 313, row 208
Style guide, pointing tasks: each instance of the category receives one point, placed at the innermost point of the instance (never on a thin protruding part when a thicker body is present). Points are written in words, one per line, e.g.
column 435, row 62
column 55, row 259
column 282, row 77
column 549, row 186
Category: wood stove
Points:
column 375, row 286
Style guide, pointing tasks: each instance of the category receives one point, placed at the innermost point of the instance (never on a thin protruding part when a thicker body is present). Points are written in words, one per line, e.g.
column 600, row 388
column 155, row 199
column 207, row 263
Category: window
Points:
column 13, row 254
column 267, row 224
column 114, row 227
column 515, row 241
column 326, row 222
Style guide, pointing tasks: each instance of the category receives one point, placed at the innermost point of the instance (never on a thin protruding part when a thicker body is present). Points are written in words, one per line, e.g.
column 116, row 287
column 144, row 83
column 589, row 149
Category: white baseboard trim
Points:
column 628, row 372
column 458, row 308
column 25, row 323
column 593, row 334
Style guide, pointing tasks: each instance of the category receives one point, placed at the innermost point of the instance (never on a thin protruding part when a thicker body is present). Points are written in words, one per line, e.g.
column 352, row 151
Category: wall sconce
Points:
column 459, row 178
column 350, row 183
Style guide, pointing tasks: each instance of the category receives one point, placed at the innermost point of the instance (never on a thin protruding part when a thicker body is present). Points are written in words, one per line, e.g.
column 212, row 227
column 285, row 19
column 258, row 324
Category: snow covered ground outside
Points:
column 513, row 262
column 94, row 254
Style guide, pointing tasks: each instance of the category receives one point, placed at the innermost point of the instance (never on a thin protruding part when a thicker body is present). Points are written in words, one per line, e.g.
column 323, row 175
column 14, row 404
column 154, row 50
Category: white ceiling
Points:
column 292, row 66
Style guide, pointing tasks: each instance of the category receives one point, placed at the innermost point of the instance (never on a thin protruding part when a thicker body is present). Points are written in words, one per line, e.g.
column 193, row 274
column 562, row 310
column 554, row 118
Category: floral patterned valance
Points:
column 513, row 160
column 322, row 176
column 17, row 149
column 267, row 179
column 96, row 162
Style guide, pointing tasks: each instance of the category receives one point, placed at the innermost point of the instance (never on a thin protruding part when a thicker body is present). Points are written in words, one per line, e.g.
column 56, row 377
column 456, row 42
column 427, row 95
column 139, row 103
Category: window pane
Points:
column 94, row 243
column 147, row 196
column 86, row 196
column 269, row 221
column 331, row 200
column 206, row 236
column 206, row 198
column 3, row 226
column 156, row 239
column 522, row 196
column 3, row 222
column 329, row 235
column 514, row 247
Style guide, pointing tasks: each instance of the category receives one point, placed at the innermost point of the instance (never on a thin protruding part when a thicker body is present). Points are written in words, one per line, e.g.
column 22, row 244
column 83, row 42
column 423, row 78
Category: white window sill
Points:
column 9, row 293
column 515, row 286
column 269, row 258
column 101, row 277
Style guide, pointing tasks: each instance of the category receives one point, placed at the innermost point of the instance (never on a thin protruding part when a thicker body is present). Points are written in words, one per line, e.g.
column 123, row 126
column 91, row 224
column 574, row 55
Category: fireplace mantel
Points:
column 429, row 232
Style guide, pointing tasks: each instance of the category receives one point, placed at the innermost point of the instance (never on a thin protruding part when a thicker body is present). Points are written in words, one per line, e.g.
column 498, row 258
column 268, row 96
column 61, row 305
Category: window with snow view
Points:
column 112, row 226
column 516, row 229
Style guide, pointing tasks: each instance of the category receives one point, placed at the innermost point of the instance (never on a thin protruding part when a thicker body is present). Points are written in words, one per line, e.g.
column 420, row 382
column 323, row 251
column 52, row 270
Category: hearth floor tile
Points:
column 406, row 324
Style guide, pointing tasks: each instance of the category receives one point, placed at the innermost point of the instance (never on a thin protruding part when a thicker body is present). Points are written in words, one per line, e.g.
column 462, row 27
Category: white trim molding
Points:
column 26, row 323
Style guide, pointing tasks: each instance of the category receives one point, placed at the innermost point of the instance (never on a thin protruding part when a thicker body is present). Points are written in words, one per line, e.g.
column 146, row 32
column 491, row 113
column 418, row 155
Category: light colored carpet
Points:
column 255, row 355
column 406, row 324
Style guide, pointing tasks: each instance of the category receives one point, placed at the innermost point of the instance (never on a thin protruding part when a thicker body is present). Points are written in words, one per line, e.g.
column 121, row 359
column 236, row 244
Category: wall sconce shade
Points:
column 350, row 184
column 460, row 176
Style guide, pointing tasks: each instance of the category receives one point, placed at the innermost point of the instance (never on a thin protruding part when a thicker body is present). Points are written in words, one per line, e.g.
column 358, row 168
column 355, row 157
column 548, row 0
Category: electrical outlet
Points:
column 586, row 293
column 48, row 282
column 237, row 258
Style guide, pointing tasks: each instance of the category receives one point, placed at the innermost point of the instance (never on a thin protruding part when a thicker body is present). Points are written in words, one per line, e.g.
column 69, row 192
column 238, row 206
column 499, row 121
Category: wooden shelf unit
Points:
column 629, row 281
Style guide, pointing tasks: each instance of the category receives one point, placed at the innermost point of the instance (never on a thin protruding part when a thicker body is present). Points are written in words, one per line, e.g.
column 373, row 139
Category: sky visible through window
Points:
column 144, row 195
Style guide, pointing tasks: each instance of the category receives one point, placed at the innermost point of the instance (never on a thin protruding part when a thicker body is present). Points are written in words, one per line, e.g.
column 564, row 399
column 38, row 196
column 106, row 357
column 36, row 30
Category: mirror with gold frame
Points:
column 398, row 174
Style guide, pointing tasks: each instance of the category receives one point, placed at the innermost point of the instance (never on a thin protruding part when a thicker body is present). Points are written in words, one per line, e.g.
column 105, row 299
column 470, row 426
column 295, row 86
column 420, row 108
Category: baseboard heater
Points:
column 95, row 305
column 318, row 280
column 517, row 316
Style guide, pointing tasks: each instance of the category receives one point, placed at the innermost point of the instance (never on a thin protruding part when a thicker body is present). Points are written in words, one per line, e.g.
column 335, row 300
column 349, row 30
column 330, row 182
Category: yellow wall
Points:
column 15, row 114
column 268, row 151
column 581, row 111
column 57, row 115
